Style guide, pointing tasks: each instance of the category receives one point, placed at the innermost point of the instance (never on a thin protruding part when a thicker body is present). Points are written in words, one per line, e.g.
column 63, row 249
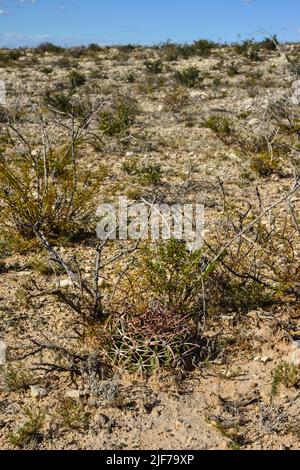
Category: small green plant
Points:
column 176, row 99
column 131, row 166
column 117, row 120
column 40, row 264
column 131, row 78
column 221, row 125
column 265, row 164
column 154, row 67
column 30, row 431
column 287, row 375
column 150, row 173
column 147, row 173
column 249, row 49
column 173, row 275
column 70, row 415
column 59, row 101
column 47, row 70
column 232, row 70
column 189, row 77
column 270, row 43
column 76, row 79
column 16, row 378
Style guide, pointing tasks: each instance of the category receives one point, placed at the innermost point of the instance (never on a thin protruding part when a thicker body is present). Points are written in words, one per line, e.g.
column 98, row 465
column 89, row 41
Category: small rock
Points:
column 257, row 359
column 24, row 273
column 65, row 283
column 75, row 394
column 38, row 392
column 3, row 350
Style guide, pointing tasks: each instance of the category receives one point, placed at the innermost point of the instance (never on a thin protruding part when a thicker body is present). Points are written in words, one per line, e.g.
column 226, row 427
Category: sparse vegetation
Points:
column 189, row 77
column 30, row 431
column 89, row 318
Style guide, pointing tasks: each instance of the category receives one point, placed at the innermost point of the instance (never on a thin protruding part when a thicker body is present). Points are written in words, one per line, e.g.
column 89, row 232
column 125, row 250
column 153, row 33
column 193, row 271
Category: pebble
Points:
column 65, row 283
column 75, row 394
column 38, row 392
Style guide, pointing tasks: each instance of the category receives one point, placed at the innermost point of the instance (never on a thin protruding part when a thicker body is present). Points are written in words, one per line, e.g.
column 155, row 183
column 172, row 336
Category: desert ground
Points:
column 132, row 345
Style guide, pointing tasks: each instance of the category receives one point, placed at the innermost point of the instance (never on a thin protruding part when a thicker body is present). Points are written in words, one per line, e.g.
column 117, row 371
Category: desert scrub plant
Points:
column 202, row 48
column 173, row 275
column 221, row 125
column 232, row 70
column 8, row 58
column 76, row 79
column 285, row 374
column 189, row 77
column 42, row 265
column 249, row 49
column 48, row 47
column 176, row 99
column 16, row 378
column 265, row 164
column 117, row 120
column 147, row 173
column 47, row 187
column 154, row 67
column 59, row 101
column 58, row 199
column 70, row 415
column 30, row 431
column 150, row 173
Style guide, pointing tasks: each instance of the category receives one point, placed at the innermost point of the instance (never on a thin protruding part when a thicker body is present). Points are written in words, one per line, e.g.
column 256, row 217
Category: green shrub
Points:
column 59, row 101
column 54, row 199
column 70, row 415
column 9, row 57
column 117, row 120
column 174, row 276
column 16, row 378
column 265, row 164
column 287, row 375
column 76, row 79
column 270, row 43
column 30, row 431
column 203, row 47
column 219, row 124
column 232, row 70
column 148, row 174
column 188, row 77
column 48, row 47
column 155, row 67
column 176, row 99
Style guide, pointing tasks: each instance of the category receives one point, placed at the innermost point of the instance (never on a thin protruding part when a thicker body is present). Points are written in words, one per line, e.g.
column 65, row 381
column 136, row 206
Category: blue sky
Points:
column 73, row 22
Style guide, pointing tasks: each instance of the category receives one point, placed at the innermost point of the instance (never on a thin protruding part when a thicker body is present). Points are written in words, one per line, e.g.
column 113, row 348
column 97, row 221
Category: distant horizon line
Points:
column 150, row 46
